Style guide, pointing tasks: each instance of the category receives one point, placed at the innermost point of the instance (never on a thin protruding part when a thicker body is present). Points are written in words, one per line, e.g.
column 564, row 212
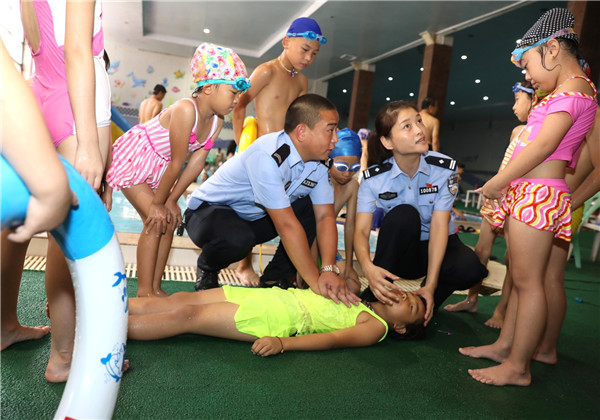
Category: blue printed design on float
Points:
column 114, row 363
column 84, row 221
column 122, row 278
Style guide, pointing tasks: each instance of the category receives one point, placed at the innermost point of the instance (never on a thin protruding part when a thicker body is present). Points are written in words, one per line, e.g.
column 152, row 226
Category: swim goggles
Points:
column 240, row 83
column 518, row 86
column 310, row 35
column 517, row 53
column 343, row 167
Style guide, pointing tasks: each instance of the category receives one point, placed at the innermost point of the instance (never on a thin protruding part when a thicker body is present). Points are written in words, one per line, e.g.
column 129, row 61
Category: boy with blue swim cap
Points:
column 345, row 163
column 274, row 86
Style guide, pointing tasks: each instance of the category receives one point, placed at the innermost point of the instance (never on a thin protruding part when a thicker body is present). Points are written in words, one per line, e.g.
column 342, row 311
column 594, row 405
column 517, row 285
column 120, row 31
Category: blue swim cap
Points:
column 348, row 144
column 307, row 28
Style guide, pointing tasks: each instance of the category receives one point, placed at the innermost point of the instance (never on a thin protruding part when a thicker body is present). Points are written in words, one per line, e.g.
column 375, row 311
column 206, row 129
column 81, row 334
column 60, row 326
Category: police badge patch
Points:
column 453, row 184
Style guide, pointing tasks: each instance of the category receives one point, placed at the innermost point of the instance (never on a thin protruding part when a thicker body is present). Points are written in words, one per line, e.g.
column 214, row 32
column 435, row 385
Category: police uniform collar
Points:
column 294, row 156
column 423, row 167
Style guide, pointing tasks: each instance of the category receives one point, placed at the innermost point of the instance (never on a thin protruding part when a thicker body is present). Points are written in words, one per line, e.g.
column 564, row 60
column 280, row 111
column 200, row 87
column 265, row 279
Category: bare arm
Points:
column 349, row 231
column 81, row 83
column 183, row 116
column 377, row 276
column 553, row 130
column 330, row 285
column 27, row 146
column 363, row 334
column 258, row 80
column 438, row 241
column 435, row 135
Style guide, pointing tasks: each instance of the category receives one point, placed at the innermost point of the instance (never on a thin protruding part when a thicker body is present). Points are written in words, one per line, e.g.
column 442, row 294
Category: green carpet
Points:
column 201, row 377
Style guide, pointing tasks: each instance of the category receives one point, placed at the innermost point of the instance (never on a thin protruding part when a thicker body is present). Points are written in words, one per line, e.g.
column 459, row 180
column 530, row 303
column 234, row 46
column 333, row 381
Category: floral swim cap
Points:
column 213, row 64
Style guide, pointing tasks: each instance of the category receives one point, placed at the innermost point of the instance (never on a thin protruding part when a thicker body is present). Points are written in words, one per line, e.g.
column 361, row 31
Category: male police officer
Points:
column 278, row 186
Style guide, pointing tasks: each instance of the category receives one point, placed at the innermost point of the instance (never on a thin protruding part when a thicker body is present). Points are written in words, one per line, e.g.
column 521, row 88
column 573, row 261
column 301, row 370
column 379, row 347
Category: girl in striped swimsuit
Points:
column 536, row 207
column 148, row 159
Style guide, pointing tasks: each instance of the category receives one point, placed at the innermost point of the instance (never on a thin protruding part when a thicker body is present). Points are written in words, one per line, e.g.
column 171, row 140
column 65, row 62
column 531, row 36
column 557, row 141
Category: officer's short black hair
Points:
column 306, row 109
column 427, row 102
column 384, row 122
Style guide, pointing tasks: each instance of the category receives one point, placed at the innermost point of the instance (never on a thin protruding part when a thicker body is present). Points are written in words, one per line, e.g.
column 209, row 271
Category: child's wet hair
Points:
column 414, row 331
column 384, row 122
column 569, row 45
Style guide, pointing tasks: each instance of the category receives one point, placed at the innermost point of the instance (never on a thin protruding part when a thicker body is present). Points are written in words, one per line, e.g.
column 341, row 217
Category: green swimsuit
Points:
column 283, row 313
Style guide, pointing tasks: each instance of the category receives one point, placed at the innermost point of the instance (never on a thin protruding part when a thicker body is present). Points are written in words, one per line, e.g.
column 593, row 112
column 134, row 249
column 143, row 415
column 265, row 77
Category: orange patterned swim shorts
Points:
column 539, row 205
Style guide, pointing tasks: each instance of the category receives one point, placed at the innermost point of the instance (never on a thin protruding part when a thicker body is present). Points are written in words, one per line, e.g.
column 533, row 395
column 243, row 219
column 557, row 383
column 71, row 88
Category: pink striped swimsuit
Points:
column 142, row 154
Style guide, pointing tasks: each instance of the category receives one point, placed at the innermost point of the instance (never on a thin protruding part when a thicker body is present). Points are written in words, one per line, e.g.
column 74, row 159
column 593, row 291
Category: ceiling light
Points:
column 463, row 57
column 344, row 90
column 390, row 78
column 387, row 98
column 477, row 81
column 452, row 103
column 206, row 31
column 485, row 98
column 411, row 94
column 523, row 71
column 348, row 57
column 422, row 69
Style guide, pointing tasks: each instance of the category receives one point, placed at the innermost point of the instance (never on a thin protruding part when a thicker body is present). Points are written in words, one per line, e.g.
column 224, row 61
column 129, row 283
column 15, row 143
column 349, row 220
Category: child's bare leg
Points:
column 497, row 319
column 61, row 302
column 528, row 266
column 164, row 248
column 245, row 272
column 483, row 250
column 557, row 303
column 140, row 196
column 142, row 306
column 13, row 255
column 212, row 319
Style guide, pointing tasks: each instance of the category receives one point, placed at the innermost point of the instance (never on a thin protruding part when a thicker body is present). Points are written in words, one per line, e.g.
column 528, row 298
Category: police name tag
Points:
column 309, row 183
column 388, row 195
column 428, row 190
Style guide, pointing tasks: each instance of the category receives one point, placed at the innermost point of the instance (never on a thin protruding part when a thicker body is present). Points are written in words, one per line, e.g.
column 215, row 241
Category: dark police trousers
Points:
column 226, row 238
column 401, row 251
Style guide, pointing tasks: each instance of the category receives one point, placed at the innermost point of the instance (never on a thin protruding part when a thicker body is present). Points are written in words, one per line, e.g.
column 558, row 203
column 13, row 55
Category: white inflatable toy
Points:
column 88, row 240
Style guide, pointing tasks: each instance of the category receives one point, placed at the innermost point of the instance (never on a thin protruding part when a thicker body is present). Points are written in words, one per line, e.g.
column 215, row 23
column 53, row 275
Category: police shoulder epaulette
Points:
column 281, row 154
column 376, row 170
column 442, row 162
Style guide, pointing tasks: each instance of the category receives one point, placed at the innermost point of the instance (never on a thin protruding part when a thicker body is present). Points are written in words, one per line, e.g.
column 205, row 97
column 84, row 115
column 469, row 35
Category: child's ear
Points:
column 553, row 47
column 285, row 42
column 400, row 328
column 386, row 142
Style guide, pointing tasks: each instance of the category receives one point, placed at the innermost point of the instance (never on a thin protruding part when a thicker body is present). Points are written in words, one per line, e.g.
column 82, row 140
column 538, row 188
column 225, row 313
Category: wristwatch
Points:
column 330, row 268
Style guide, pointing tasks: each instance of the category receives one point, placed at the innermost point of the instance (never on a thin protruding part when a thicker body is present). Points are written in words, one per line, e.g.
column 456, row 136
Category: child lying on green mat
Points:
column 275, row 319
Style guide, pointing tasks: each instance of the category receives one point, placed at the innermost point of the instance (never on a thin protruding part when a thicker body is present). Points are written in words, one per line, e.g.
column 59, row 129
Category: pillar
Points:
column 436, row 69
column 362, row 90
column 587, row 16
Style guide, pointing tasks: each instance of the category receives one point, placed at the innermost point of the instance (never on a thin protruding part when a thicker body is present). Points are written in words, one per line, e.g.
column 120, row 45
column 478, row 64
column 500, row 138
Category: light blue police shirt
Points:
column 258, row 179
column 433, row 187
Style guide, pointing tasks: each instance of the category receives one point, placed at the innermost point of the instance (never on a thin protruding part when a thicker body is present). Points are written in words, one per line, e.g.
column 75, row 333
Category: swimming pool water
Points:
column 126, row 219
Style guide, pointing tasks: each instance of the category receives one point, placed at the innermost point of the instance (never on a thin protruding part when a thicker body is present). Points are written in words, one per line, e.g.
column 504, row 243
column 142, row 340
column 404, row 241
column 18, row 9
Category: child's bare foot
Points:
column 504, row 374
column 466, row 305
column 550, row 357
column 143, row 293
column 495, row 321
column 247, row 276
column 492, row 351
column 58, row 367
column 11, row 336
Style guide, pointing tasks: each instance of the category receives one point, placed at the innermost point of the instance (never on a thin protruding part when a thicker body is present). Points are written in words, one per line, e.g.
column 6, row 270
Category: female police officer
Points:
column 416, row 189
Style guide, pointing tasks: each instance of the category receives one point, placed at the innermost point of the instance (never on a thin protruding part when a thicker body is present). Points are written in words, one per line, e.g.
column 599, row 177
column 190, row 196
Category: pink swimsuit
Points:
column 142, row 154
column 545, row 204
column 50, row 81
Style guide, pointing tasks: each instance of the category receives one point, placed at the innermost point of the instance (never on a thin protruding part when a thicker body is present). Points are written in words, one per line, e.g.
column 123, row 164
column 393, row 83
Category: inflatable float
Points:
column 249, row 133
column 89, row 242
